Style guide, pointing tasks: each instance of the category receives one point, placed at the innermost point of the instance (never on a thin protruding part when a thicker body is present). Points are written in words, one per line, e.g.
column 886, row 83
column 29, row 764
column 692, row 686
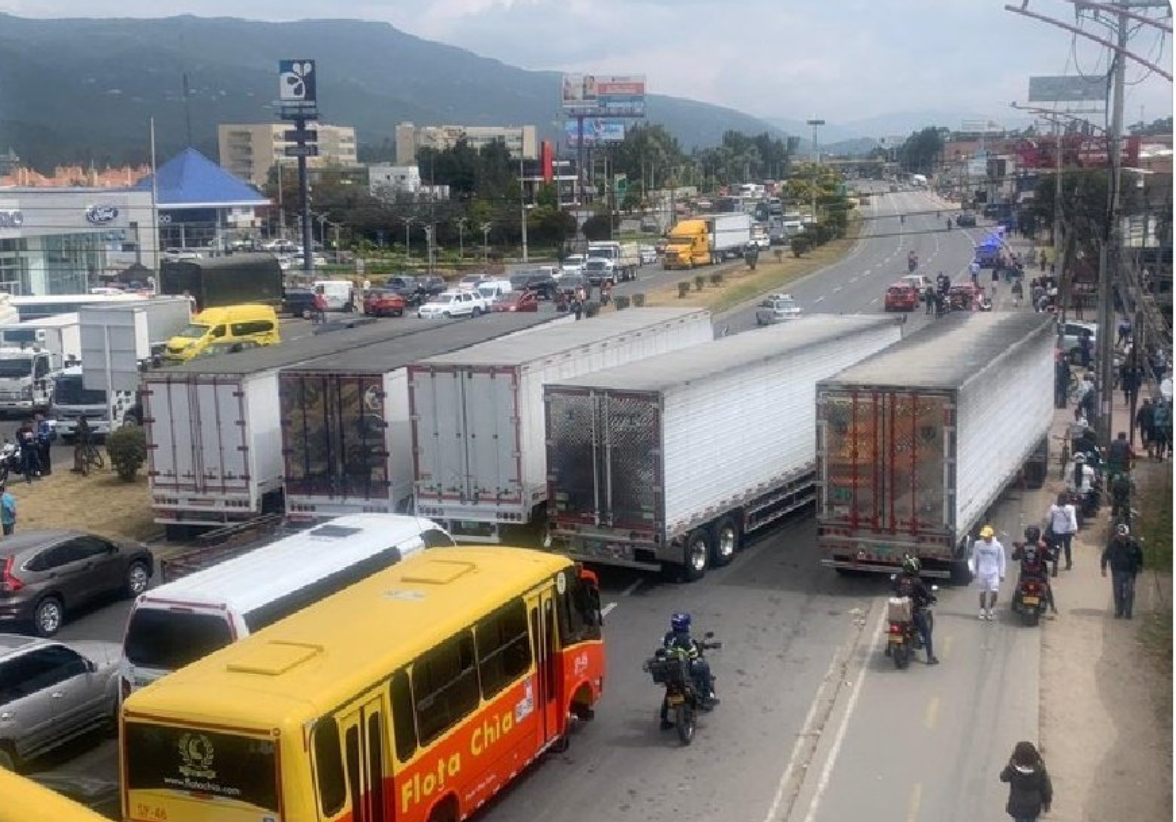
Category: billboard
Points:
column 1067, row 88
column 596, row 131
column 297, row 89
column 599, row 95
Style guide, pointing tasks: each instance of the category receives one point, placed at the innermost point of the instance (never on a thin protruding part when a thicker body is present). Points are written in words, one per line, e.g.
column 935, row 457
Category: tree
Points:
column 1084, row 206
column 921, row 150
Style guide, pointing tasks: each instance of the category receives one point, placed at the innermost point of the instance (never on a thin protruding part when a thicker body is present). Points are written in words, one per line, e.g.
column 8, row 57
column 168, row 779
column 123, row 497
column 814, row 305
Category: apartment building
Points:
column 249, row 151
column 520, row 140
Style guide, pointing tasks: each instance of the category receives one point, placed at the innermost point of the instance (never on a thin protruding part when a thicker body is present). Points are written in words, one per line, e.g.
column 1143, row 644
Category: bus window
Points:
column 579, row 613
column 403, row 723
column 504, row 650
column 328, row 766
column 445, row 684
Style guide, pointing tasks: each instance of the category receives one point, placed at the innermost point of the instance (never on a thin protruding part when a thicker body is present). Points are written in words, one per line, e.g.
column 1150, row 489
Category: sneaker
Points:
column 983, row 614
column 989, row 615
column 932, row 660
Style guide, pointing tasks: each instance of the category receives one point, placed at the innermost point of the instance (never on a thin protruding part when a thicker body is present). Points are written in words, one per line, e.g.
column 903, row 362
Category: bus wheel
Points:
column 444, row 811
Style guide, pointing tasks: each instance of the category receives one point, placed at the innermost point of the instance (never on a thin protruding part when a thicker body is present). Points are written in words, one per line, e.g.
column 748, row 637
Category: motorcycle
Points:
column 671, row 668
column 1031, row 596
column 902, row 635
column 9, row 459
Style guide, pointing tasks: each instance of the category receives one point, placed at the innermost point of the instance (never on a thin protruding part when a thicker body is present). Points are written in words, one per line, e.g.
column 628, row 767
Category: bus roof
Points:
column 311, row 662
column 259, row 576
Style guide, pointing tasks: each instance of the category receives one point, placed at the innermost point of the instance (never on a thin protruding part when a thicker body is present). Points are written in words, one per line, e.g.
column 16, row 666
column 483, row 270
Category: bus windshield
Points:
column 231, row 766
column 70, row 391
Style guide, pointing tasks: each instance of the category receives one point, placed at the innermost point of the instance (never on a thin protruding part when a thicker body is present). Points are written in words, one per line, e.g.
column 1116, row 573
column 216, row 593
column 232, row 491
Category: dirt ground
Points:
column 1106, row 707
column 101, row 503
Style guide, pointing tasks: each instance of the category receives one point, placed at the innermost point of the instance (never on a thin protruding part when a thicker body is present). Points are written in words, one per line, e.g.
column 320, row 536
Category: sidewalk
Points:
column 1106, row 713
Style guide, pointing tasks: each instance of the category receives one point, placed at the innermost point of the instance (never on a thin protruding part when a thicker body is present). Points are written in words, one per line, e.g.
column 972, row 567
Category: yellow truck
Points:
column 689, row 245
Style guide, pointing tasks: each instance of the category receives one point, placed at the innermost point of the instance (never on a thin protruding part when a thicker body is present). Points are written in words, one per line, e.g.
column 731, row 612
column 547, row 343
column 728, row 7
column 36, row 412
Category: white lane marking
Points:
column 629, row 591
column 607, row 609
column 839, row 738
column 818, row 299
column 853, row 279
column 873, row 301
column 837, row 288
column 915, row 802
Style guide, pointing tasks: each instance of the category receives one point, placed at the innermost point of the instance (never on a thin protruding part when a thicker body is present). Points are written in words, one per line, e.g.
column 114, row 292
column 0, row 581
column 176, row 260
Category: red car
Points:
column 383, row 302
column 901, row 297
column 968, row 297
column 516, row 301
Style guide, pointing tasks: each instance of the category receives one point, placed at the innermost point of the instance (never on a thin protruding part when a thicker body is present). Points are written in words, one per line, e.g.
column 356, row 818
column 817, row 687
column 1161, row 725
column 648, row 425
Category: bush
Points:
column 683, row 289
column 800, row 245
column 778, row 253
column 591, row 308
column 128, row 451
column 716, row 278
column 699, row 281
column 622, row 302
column 638, row 300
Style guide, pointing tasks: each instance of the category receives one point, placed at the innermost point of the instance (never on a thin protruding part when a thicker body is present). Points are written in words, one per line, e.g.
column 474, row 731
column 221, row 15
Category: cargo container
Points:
column 346, row 438
column 214, row 444
column 916, row 443
column 235, row 279
column 480, row 460
column 673, row 462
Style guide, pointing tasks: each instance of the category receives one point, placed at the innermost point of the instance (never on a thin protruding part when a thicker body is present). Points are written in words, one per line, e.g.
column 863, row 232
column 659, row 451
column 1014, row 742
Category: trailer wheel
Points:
column 960, row 573
column 696, row 556
column 726, row 542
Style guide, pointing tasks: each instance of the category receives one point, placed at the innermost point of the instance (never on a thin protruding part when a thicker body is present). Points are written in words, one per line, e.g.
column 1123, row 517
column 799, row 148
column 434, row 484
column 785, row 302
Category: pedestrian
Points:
column 46, row 434
column 7, row 510
column 1041, row 260
column 1129, row 380
column 1122, row 489
column 81, row 443
column 1143, row 421
column 1085, row 348
column 577, row 307
column 987, row 563
column 1161, row 428
column 929, row 299
column 1018, row 291
column 1119, row 454
column 30, row 462
column 1086, row 395
column 1061, row 379
column 1061, row 523
column 1125, row 557
column 320, row 305
column 1030, row 791
column 1124, row 332
column 974, row 270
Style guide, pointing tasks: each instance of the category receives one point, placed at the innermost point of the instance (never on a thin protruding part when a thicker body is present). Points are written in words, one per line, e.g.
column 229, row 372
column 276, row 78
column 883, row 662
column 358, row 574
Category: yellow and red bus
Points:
column 22, row 800
column 414, row 695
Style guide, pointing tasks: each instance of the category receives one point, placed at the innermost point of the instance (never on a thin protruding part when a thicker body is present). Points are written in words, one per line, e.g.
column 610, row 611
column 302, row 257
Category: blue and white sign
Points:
column 11, row 218
column 297, row 88
column 101, row 214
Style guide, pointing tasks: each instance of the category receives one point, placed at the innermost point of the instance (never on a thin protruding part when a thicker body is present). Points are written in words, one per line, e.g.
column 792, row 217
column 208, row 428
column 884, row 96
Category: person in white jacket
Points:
column 987, row 564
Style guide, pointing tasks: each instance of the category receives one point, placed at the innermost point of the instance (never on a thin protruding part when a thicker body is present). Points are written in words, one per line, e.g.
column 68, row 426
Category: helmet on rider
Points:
column 987, row 532
column 911, row 565
column 1032, row 534
column 1080, row 458
column 680, row 623
column 1123, row 530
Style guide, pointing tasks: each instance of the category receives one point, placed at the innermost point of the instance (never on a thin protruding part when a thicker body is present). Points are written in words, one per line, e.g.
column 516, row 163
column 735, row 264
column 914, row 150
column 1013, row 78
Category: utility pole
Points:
column 408, row 221
column 461, row 224
column 486, row 242
column 523, row 205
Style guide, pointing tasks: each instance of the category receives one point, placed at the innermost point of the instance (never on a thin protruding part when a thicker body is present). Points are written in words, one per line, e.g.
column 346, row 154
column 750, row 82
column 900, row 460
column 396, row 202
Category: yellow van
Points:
column 221, row 327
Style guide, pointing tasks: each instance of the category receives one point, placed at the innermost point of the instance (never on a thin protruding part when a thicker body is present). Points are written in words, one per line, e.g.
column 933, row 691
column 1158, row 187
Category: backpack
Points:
column 1120, row 452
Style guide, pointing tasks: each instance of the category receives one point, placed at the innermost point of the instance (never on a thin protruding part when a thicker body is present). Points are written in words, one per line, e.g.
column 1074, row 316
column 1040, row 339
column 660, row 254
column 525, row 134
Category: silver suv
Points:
column 777, row 308
column 51, row 693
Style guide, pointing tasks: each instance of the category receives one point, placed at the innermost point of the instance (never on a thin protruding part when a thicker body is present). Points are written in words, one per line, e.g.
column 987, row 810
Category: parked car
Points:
column 429, row 285
column 52, row 693
column 406, row 286
column 1072, row 333
column 516, row 301
column 298, row 302
column 43, row 574
column 541, row 282
column 384, row 302
column 453, row 304
column 965, row 219
column 968, row 297
column 777, row 308
column 901, row 297
column 920, row 282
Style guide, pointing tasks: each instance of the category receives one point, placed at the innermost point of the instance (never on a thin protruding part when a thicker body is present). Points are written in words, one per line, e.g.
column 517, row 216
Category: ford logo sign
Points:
column 11, row 219
column 101, row 214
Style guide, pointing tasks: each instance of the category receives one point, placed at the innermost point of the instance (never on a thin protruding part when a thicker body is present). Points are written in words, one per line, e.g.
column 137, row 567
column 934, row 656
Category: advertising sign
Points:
column 1067, row 88
column 596, row 131
column 592, row 95
column 297, row 89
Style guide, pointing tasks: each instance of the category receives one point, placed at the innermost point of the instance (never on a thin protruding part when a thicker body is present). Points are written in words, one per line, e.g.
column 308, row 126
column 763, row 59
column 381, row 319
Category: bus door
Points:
column 545, row 638
column 363, row 756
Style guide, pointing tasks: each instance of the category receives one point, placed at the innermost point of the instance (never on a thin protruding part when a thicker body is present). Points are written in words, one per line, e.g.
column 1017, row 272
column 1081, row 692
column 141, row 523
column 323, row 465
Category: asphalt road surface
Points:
column 815, row 725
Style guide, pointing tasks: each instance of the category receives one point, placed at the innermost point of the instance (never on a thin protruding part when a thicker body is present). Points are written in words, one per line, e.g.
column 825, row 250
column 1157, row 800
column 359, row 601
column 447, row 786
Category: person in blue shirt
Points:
column 7, row 511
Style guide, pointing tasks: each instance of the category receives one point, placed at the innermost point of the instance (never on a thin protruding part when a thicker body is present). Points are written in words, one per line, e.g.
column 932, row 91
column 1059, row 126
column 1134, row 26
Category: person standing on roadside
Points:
column 1144, row 420
column 7, row 511
column 1161, row 432
column 1042, row 260
column 1061, row 523
column 45, row 436
column 30, row 459
column 987, row 563
column 1030, row 790
column 1125, row 557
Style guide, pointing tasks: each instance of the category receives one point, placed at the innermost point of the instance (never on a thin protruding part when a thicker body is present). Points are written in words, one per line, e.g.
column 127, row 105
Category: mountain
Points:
column 84, row 90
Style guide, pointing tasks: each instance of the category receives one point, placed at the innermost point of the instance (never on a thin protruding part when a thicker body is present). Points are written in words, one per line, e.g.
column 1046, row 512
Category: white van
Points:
column 340, row 294
column 493, row 289
column 182, row 621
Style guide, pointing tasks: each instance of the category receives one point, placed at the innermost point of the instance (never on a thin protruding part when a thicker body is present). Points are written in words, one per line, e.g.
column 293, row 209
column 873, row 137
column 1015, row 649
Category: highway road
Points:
column 816, row 725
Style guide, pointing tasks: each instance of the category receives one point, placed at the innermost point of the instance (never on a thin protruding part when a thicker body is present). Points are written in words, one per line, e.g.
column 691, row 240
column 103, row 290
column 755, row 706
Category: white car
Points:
column 777, row 308
column 573, row 264
column 453, row 304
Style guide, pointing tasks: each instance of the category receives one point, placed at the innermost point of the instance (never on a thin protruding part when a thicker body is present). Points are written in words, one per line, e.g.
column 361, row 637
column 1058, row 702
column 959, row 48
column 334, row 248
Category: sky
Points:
column 839, row 60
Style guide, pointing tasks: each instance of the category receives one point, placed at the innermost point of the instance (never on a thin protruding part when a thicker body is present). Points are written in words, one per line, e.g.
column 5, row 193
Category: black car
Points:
column 430, row 285
column 298, row 302
column 540, row 282
column 406, row 286
column 966, row 219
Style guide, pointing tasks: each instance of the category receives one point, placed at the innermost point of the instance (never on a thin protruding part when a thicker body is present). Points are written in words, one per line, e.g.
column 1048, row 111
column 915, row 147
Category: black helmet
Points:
column 680, row 622
column 1032, row 534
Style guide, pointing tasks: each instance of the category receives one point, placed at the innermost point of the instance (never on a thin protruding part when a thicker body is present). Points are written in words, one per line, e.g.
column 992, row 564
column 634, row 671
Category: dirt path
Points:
column 100, row 503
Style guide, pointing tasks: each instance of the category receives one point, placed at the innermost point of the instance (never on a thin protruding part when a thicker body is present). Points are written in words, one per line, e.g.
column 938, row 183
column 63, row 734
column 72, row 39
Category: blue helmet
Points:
column 680, row 622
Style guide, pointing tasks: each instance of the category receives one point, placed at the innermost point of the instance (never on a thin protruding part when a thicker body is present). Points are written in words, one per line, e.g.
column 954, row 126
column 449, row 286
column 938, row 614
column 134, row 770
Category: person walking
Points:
column 995, row 281
column 1030, row 789
column 1143, row 421
column 929, row 299
column 1062, row 524
column 1124, row 333
column 987, row 563
column 320, row 306
column 45, row 435
column 30, row 462
column 1119, row 455
column 1129, row 381
column 1041, row 260
column 1161, row 428
column 1061, row 378
column 1125, row 557
column 1018, row 292
column 7, row 510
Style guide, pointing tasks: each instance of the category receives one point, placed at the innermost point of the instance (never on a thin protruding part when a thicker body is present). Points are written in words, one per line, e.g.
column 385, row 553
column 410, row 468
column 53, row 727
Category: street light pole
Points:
column 408, row 221
column 461, row 224
column 523, row 205
column 815, row 123
column 486, row 242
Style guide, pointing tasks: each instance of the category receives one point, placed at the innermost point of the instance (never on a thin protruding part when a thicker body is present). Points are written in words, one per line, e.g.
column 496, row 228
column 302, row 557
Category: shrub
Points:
column 128, row 451
column 591, row 308
column 699, row 281
column 800, row 245
column 716, row 278
column 622, row 302
column 778, row 253
column 683, row 289
column 639, row 300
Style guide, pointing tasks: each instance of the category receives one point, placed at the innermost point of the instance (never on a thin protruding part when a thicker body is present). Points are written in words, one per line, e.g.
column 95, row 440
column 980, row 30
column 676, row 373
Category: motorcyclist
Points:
column 678, row 640
column 1079, row 476
column 1034, row 555
column 1121, row 488
column 949, row 223
column 909, row 584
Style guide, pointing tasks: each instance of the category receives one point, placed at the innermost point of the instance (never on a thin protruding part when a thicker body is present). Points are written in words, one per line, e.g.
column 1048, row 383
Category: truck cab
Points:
column 600, row 270
column 26, row 379
column 72, row 401
column 689, row 245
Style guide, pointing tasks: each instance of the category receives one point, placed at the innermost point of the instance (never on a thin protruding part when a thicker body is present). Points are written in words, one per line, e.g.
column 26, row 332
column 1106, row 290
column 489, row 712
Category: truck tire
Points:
column 960, row 573
column 696, row 554
column 725, row 543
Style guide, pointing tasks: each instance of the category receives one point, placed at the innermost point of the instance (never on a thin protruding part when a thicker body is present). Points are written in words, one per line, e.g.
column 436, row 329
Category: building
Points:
column 250, row 151
column 386, row 180
column 520, row 141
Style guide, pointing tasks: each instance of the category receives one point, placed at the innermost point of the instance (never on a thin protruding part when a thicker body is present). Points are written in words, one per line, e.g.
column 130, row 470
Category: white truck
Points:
column 625, row 259
column 60, row 335
column 480, row 460
column 729, row 235
column 213, row 427
column 26, row 379
column 346, row 437
column 916, row 443
column 670, row 463
column 104, row 410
